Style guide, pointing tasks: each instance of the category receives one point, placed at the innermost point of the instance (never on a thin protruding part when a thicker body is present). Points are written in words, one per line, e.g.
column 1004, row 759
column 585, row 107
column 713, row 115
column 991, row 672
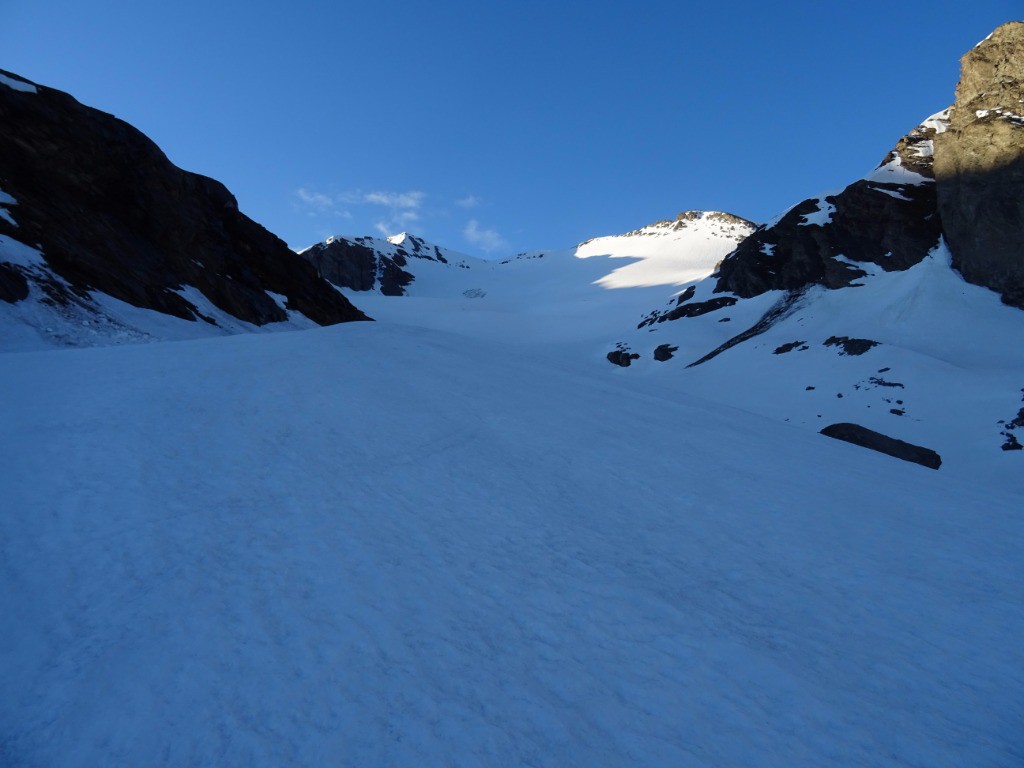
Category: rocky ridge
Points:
column 888, row 219
column 89, row 205
column 373, row 263
column 726, row 224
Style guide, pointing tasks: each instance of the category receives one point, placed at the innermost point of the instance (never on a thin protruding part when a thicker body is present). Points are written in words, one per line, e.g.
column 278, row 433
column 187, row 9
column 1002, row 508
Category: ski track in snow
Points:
column 380, row 545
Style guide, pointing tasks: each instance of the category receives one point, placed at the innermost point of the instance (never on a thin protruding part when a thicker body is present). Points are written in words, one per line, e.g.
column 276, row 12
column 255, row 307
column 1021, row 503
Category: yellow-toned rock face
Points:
column 979, row 166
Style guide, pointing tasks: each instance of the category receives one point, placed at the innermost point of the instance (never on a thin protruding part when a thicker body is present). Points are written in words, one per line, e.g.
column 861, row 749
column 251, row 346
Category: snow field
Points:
column 376, row 545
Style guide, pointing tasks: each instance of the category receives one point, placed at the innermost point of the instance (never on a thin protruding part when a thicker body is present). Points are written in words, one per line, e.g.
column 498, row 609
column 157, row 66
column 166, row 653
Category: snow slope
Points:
column 379, row 545
column 669, row 252
column 944, row 370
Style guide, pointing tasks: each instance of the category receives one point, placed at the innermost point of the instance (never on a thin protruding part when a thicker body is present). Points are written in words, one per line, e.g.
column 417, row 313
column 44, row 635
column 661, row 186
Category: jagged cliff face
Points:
column 89, row 205
column 979, row 166
column 959, row 175
column 373, row 263
column 887, row 218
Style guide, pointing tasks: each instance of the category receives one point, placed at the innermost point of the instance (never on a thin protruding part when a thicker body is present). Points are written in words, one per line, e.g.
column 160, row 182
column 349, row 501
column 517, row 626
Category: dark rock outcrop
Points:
column 345, row 263
column 1009, row 427
column 686, row 295
column 366, row 263
column 696, row 309
column 13, row 284
column 111, row 213
column 850, row 346
column 621, row 356
column 664, row 352
column 979, row 166
column 780, row 309
column 789, row 347
column 892, row 225
column 890, row 446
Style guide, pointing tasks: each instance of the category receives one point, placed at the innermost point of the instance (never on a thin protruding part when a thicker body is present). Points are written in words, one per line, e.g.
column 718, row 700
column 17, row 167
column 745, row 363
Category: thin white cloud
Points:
column 401, row 221
column 487, row 240
column 319, row 205
column 317, row 200
column 404, row 207
column 469, row 201
column 352, row 197
column 395, row 199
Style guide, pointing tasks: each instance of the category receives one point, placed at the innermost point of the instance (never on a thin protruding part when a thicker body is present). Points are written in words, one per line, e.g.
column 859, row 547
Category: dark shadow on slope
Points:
column 983, row 216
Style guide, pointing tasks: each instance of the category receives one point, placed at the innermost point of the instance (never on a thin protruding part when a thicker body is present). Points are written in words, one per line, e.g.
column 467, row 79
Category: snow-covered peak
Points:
column 403, row 245
column 717, row 222
column 387, row 265
column 669, row 252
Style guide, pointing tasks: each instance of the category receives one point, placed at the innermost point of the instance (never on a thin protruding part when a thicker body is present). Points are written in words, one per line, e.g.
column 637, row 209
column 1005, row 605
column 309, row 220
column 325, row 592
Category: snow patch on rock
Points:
column 17, row 85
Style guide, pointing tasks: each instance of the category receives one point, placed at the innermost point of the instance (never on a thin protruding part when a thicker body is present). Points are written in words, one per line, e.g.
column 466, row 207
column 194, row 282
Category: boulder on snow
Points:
column 622, row 357
column 664, row 352
column 849, row 346
column 890, row 446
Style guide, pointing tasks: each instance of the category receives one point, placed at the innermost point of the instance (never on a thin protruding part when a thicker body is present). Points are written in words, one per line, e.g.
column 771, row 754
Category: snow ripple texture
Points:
column 289, row 550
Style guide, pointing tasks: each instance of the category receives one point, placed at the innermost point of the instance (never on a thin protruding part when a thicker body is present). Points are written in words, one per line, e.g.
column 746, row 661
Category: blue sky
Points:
column 496, row 128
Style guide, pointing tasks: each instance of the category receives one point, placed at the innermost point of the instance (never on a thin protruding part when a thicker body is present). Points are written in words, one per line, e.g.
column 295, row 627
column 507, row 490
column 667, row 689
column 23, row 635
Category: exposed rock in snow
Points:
column 876, row 441
column 850, row 346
